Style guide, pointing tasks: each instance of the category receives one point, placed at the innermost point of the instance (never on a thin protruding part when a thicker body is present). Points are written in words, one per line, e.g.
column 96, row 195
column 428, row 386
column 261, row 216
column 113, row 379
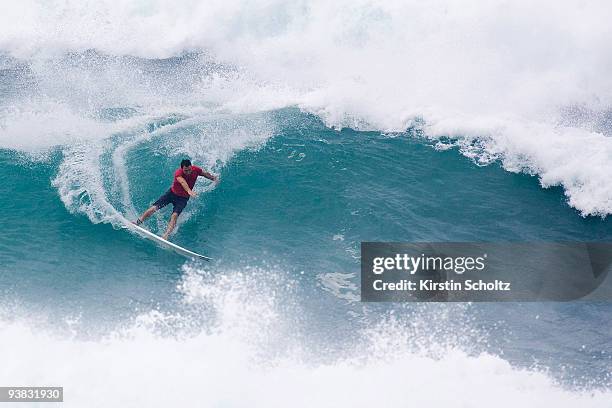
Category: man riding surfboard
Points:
column 185, row 178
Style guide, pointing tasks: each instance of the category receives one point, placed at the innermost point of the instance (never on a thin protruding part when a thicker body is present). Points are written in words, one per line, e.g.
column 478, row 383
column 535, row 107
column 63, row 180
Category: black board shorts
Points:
column 178, row 202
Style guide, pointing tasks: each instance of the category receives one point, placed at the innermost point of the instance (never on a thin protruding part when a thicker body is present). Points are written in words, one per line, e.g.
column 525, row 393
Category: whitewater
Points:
column 470, row 71
column 330, row 123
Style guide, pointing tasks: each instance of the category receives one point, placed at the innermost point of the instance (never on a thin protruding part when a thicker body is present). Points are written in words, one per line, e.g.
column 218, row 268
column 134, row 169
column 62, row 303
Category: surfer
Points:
column 180, row 192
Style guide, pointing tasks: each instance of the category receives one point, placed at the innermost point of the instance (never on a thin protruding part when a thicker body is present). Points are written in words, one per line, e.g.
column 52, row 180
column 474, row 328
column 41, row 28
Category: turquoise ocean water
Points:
column 309, row 169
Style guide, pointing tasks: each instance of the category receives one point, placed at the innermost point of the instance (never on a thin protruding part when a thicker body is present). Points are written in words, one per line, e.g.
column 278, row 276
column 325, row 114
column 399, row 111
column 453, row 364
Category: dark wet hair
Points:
column 185, row 163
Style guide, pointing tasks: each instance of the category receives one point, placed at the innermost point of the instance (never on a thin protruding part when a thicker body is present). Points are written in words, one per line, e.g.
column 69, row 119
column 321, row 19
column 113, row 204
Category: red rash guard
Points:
column 189, row 178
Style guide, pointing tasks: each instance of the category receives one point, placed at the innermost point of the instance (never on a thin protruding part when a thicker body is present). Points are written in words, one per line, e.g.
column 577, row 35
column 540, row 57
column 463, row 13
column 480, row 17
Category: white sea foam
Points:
column 210, row 141
column 238, row 340
column 529, row 80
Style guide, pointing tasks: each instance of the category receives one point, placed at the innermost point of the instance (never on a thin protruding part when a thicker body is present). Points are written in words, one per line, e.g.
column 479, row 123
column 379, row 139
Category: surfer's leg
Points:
column 150, row 211
column 161, row 202
column 171, row 225
column 178, row 205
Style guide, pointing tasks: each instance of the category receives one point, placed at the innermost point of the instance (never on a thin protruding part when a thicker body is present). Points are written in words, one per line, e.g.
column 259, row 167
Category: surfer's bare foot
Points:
column 165, row 236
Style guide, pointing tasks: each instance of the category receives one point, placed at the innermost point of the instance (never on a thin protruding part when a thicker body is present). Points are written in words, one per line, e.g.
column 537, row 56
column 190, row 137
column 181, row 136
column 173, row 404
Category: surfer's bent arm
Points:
column 185, row 186
column 208, row 175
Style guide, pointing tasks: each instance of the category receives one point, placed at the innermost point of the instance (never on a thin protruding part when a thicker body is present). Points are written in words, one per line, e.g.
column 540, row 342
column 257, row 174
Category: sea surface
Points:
column 329, row 124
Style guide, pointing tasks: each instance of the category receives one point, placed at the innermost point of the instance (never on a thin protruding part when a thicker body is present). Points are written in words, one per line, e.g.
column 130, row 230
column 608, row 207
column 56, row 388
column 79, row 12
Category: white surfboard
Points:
column 164, row 243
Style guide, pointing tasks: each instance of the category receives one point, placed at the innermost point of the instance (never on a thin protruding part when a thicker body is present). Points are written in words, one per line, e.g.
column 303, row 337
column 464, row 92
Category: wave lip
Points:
column 511, row 76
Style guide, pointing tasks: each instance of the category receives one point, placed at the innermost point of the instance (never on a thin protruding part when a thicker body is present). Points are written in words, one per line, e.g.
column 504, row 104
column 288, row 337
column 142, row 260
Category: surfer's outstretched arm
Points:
column 208, row 175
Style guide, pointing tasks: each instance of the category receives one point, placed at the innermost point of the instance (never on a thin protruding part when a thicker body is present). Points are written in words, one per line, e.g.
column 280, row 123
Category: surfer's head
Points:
column 186, row 166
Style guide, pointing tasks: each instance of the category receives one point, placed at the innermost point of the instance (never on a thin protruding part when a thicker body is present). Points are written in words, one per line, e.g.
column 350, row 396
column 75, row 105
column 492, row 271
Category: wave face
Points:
column 530, row 89
column 330, row 124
